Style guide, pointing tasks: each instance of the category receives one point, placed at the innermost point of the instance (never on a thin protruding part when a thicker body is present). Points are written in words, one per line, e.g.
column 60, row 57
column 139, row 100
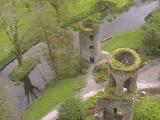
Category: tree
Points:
column 11, row 22
column 152, row 34
column 57, row 4
column 61, row 54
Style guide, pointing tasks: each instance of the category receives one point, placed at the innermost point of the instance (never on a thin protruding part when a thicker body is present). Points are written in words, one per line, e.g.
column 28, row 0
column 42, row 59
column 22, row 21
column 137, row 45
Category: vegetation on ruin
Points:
column 101, row 73
column 119, row 66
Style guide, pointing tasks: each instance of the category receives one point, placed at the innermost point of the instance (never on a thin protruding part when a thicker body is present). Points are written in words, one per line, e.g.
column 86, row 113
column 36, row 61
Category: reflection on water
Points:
column 31, row 91
column 132, row 19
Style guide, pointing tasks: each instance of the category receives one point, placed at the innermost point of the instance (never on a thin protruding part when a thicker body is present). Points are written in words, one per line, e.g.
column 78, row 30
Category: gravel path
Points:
column 149, row 75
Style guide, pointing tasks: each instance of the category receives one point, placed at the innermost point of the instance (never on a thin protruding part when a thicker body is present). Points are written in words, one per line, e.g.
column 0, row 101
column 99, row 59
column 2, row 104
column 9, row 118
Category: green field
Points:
column 53, row 96
column 133, row 39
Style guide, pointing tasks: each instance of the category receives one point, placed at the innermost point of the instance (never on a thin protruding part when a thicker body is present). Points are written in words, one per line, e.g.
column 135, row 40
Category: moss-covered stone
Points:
column 110, row 95
column 119, row 66
column 89, row 26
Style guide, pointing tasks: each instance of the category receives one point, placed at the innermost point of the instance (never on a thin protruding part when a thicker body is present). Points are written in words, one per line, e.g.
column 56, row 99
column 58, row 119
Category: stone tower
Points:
column 88, row 39
column 116, row 103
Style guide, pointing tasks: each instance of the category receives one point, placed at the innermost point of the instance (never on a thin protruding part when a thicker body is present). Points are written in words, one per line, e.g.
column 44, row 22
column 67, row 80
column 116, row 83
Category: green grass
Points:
column 147, row 109
column 53, row 96
column 133, row 39
column 18, row 73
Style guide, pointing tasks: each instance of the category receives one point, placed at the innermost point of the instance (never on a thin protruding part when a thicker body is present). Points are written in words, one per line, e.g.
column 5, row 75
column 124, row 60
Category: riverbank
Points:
column 54, row 95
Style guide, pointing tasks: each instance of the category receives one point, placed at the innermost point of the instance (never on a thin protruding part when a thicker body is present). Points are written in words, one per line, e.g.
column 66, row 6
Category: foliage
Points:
column 54, row 95
column 27, row 34
column 61, row 54
column 72, row 109
column 147, row 109
column 152, row 34
column 105, row 6
column 19, row 73
column 90, row 104
column 100, row 73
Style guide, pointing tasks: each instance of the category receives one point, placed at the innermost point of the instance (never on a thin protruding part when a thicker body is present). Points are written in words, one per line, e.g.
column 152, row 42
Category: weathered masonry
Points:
column 88, row 39
column 117, row 101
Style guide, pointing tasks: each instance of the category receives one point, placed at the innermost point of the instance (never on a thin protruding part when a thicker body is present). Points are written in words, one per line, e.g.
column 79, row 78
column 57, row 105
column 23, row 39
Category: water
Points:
column 132, row 19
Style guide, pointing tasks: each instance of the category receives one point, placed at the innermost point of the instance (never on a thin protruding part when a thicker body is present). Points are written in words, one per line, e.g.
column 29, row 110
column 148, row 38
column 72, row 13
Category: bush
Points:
column 72, row 109
column 152, row 34
column 147, row 109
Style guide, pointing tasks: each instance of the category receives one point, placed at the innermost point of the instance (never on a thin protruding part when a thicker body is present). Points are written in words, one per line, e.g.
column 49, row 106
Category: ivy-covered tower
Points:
column 116, row 102
column 88, row 39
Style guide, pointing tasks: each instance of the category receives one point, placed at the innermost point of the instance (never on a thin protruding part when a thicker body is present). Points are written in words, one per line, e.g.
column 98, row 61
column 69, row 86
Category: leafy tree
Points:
column 152, row 34
column 57, row 4
column 19, row 35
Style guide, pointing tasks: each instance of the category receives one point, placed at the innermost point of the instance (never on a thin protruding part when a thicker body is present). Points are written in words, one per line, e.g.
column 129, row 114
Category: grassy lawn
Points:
column 147, row 109
column 133, row 39
column 54, row 95
column 18, row 73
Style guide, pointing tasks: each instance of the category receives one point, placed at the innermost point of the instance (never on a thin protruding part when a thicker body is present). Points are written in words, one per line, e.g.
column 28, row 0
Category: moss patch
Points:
column 117, row 65
column 109, row 94
column 101, row 73
column 20, row 72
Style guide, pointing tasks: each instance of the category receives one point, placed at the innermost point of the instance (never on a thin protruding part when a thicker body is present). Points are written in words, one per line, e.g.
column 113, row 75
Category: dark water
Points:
column 132, row 19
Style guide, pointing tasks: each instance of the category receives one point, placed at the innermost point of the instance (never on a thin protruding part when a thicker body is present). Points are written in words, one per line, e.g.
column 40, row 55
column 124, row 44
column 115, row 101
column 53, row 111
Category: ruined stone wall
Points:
column 89, row 46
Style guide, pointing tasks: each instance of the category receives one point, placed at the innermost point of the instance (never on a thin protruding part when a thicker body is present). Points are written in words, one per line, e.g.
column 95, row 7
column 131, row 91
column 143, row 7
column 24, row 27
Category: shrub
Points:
column 152, row 34
column 147, row 109
column 72, row 109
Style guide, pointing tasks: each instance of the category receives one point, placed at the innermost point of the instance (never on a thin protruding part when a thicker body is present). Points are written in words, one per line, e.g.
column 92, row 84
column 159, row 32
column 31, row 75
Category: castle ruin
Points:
column 117, row 101
column 88, row 39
